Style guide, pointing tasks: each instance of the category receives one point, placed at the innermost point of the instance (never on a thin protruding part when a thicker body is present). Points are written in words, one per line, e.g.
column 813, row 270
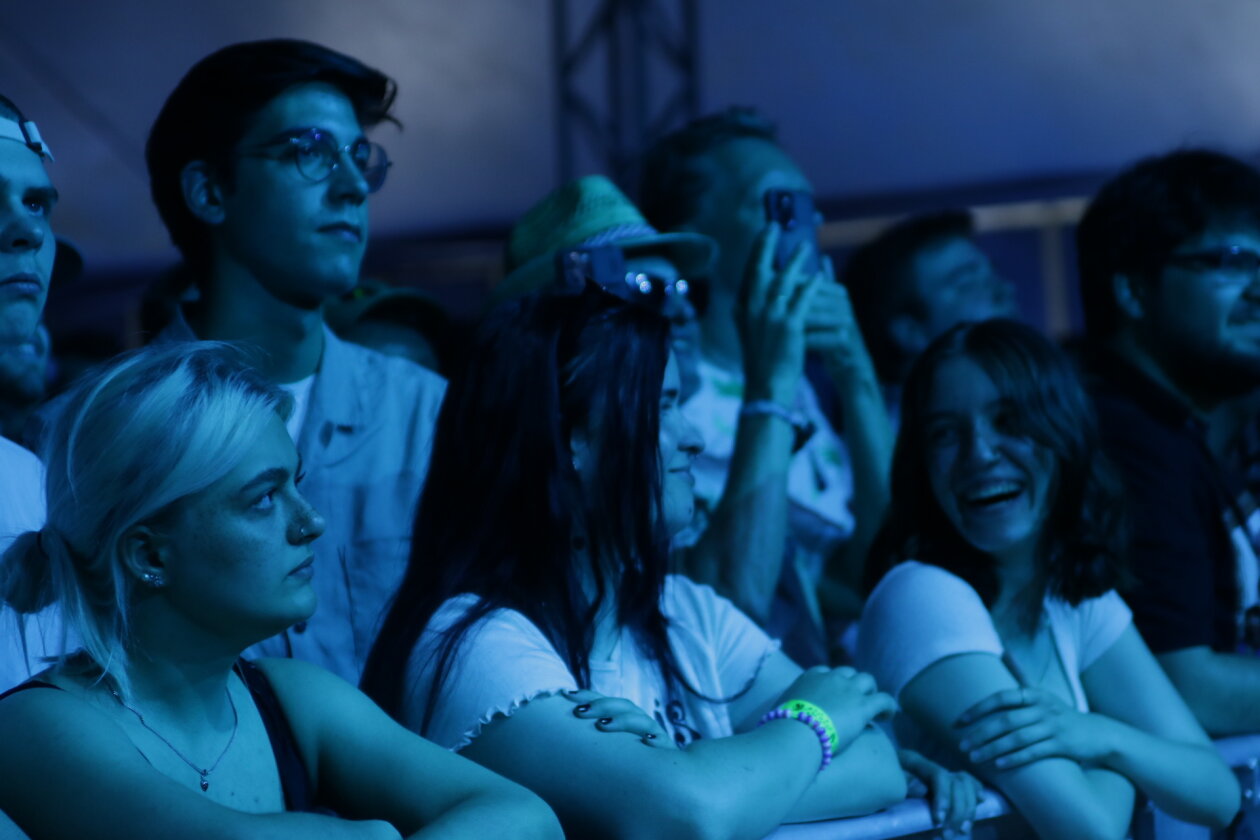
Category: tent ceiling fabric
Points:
column 871, row 96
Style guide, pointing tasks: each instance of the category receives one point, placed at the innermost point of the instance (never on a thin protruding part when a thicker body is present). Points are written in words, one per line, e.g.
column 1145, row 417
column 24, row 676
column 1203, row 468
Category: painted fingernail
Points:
column 583, row 709
column 603, row 721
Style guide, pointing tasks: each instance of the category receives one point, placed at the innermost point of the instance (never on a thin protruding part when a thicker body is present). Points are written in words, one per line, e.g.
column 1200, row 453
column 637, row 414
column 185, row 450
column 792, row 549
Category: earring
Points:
column 153, row 579
column 576, row 466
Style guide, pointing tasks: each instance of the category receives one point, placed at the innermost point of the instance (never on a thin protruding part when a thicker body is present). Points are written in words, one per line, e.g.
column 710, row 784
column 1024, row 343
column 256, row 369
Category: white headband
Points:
column 25, row 133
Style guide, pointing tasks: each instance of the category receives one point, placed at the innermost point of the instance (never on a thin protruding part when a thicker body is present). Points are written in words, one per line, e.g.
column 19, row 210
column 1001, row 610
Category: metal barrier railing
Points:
column 913, row 817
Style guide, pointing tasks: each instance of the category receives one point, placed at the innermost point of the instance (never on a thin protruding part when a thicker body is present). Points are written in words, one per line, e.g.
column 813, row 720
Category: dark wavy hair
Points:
column 213, row 106
column 1143, row 214
column 1082, row 547
column 502, row 506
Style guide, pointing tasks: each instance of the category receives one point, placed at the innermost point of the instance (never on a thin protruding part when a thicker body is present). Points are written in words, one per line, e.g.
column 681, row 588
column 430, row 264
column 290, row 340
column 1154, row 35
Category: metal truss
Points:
column 625, row 72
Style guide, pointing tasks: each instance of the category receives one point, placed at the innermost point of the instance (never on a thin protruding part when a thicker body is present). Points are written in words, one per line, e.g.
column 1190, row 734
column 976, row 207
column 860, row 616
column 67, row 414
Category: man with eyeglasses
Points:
column 261, row 171
column 1169, row 254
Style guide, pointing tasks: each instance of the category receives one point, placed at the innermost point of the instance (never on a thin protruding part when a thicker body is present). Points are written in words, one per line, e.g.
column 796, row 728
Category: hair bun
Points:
column 26, row 574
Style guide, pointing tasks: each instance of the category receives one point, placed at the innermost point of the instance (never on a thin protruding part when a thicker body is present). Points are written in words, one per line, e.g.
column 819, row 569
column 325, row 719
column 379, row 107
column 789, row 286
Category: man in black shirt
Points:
column 1169, row 256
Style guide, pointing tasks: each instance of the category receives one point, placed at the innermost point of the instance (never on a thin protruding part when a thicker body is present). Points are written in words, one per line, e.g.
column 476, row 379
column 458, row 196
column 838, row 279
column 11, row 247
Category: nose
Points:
column 307, row 524
column 347, row 182
column 982, row 445
column 690, row 441
column 19, row 232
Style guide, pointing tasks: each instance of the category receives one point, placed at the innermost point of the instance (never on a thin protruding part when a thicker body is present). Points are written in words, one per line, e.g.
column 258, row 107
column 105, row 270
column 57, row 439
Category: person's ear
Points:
column 1129, row 296
column 908, row 334
column 203, row 193
column 144, row 552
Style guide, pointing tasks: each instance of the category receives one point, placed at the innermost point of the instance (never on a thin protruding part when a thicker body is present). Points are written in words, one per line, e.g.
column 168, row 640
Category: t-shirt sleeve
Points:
column 713, row 639
column 920, row 614
column 503, row 662
column 1101, row 620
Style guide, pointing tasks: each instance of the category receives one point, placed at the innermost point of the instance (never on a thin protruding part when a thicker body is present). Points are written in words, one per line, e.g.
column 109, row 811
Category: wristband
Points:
column 813, row 717
column 801, row 427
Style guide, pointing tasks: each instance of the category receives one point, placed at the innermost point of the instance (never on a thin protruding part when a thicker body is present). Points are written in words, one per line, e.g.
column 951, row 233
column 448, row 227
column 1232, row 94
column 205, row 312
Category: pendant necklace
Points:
column 203, row 772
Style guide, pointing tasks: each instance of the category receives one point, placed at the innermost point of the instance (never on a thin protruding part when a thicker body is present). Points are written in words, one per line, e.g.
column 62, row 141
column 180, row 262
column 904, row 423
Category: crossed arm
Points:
column 391, row 782
column 1042, row 753
column 610, row 785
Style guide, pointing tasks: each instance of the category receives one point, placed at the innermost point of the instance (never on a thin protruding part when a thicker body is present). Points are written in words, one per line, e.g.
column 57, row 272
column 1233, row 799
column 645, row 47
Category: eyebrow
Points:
column 46, row 192
column 290, row 133
column 48, row 195
column 275, row 475
column 1000, row 402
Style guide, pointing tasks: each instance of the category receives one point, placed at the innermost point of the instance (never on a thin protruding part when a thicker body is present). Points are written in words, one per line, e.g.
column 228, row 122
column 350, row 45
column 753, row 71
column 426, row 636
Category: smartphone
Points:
column 604, row 265
column 794, row 211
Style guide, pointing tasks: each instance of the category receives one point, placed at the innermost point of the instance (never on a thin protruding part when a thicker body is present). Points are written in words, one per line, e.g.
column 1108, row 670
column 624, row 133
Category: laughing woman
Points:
column 176, row 538
column 995, row 622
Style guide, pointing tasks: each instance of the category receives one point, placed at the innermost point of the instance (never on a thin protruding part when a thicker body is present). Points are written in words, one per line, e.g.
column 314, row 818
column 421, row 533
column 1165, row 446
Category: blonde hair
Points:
column 135, row 437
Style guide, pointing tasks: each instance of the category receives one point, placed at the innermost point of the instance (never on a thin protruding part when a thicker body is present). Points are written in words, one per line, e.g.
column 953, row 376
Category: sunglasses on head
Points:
column 604, row 266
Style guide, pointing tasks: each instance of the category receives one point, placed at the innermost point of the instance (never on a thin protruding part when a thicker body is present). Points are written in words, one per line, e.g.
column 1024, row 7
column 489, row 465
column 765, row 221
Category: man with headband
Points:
column 27, row 248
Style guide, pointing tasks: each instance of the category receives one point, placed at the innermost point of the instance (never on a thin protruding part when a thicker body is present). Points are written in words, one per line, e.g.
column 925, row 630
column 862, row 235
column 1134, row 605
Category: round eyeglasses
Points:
column 316, row 155
column 1231, row 265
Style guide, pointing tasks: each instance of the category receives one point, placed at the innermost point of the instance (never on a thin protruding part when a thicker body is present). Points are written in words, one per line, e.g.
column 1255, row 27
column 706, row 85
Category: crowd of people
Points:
column 688, row 539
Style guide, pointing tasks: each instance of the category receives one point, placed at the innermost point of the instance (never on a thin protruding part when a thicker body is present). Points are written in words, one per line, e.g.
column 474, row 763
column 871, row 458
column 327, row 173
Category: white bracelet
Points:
column 771, row 408
column 801, row 427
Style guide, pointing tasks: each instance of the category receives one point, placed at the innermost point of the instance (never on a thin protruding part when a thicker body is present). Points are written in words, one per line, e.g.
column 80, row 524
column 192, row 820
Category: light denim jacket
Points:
column 365, row 447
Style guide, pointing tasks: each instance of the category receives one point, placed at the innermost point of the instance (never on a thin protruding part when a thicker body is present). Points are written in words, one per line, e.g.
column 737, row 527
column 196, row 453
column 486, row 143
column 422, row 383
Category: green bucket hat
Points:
column 587, row 212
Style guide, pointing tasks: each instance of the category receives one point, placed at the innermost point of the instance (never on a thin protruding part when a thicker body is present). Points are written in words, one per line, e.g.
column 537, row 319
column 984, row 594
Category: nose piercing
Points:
column 301, row 531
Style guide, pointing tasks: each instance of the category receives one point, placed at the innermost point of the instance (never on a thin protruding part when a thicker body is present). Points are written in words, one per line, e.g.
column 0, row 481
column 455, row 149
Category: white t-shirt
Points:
column 920, row 614
column 301, row 391
column 21, row 510
column 505, row 661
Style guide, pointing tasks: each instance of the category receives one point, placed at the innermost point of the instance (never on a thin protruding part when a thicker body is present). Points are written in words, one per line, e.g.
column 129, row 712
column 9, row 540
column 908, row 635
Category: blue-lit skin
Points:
column 1202, row 326
column 994, row 484
column 27, row 245
column 302, row 241
column 280, row 244
column 954, row 282
column 237, row 556
column 733, row 213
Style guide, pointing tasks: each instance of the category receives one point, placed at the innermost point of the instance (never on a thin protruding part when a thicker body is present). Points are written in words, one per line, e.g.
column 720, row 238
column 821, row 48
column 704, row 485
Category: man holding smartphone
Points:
column 790, row 509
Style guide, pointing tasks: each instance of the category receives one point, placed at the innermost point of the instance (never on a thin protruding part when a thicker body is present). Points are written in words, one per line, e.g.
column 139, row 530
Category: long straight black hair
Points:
column 502, row 507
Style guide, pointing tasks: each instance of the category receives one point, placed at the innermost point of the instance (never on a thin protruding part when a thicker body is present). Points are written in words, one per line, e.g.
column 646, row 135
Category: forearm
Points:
column 521, row 816
column 1113, row 795
column 1221, row 689
column 741, row 551
column 862, row 779
column 1188, row 781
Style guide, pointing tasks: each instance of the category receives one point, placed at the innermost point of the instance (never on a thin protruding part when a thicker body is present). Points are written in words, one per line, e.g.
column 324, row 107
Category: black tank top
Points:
column 299, row 794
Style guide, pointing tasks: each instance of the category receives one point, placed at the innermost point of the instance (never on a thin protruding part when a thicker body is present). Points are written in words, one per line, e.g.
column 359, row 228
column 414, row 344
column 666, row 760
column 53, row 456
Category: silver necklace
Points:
column 203, row 772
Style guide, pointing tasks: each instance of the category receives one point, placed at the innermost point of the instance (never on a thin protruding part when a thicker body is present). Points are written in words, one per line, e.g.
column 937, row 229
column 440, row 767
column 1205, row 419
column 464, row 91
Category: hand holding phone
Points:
column 794, row 211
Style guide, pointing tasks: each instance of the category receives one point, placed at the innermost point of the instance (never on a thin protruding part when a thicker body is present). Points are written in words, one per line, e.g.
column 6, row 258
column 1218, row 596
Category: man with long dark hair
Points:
column 261, row 171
